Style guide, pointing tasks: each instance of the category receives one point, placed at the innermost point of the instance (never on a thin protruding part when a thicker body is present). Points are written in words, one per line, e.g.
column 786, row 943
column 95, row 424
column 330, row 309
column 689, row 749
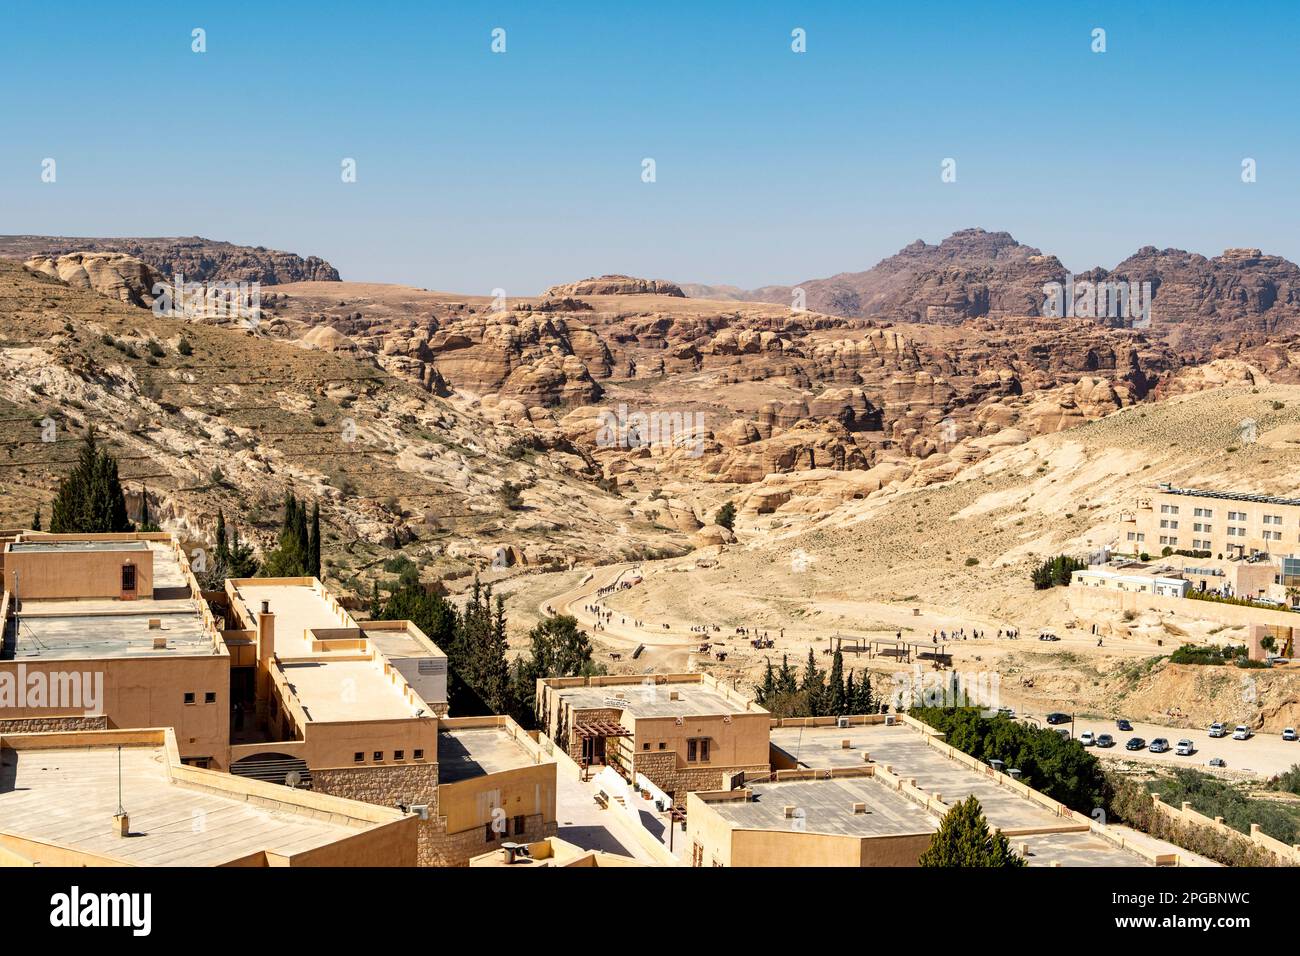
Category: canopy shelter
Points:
column 597, row 727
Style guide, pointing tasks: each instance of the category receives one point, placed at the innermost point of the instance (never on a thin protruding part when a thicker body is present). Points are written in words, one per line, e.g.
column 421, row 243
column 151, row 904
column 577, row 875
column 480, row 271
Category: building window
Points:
column 519, row 824
column 379, row 755
column 210, row 697
column 697, row 749
column 419, row 754
column 646, row 745
column 690, row 750
column 662, row 745
column 128, row 577
column 189, row 697
column 359, row 757
column 399, row 754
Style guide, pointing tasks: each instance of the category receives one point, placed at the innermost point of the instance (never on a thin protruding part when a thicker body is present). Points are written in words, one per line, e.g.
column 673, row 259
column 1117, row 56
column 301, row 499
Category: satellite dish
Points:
column 292, row 778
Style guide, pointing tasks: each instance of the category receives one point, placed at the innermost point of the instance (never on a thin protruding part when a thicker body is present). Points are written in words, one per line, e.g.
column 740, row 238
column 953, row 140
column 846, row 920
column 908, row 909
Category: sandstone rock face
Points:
column 1240, row 295
column 615, row 285
column 113, row 274
column 195, row 258
column 1195, row 302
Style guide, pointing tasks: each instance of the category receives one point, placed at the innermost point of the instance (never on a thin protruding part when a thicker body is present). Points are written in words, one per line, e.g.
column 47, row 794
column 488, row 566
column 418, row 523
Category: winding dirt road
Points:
column 666, row 650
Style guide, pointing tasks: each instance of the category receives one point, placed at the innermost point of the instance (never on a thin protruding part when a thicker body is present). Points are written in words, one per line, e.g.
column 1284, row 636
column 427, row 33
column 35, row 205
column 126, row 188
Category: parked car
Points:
column 1065, row 734
column 1159, row 746
column 1185, row 748
column 1123, row 724
column 1105, row 740
column 1058, row 718
column 1218, row 730
column 1289, row 734
column 1135, row 743
column 1007, row 712
column 1217, row 762
column 1087, row 739
column 1241, row 733
column 1048, row 636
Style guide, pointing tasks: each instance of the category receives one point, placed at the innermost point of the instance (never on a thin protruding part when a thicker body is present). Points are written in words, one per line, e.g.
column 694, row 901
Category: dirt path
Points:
column 664, row 649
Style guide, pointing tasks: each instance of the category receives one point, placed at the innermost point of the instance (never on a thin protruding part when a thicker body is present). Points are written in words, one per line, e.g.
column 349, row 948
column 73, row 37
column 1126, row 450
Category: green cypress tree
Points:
column 36, row 520
column 964, row 840
column 222, row 550
column 836, row 702
column 766, row 691
column 313, row 542
column 90, row 499
column 813, row 687
column 785, row 681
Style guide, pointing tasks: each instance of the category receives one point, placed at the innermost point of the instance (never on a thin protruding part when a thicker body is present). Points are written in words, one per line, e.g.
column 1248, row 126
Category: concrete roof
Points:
column 826, row 806
column 67, row 797
column 397, row 645
column 649, row 699
column 97, row 629
column 76, row 546
column 329, row 688
column 472, row 752
column 347, row 690
column 910, row 757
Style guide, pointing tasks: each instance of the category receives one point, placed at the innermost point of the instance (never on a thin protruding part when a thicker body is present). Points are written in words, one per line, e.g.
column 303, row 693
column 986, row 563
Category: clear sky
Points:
column 478, row 170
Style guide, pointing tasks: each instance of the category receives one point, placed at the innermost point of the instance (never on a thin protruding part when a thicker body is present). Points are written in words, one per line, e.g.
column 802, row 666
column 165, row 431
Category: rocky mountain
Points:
column 205, row 417
column 1196, row 302
column 614, row 285
column 196, row 258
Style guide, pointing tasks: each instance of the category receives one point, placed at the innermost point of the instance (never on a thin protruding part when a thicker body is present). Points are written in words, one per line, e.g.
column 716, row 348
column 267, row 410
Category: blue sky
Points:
column 478, row 170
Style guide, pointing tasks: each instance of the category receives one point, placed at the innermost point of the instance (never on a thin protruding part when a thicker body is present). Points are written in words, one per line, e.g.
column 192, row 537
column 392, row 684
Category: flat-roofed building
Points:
column 914, row 761
column 59, row 806
column 809, row 818
column 1137, row 579
column 326, row 704
column 114, row 630
column 682, row 732
column 1220, row 523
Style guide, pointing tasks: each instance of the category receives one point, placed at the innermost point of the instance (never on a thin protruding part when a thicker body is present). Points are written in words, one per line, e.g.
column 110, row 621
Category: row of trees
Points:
column 1055, row 572
column 1048, row 762
column 817, row 693
column 297, row 554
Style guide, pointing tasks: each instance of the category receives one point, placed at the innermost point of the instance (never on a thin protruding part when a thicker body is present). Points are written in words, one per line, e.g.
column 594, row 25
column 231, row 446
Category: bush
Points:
column 726, row 516
column 184, row 348
column 1202, row 654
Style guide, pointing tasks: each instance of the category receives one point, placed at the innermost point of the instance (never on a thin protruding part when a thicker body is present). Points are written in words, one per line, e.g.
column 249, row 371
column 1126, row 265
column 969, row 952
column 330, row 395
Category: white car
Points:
column 1087, row 738
column 1289, row 734
column 1218, row 730
column 1241, row 733
column 1185, row 748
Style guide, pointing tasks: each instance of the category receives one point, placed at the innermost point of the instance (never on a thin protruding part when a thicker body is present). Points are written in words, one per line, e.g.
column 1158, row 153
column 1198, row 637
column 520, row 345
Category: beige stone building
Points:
column 280, row 685
column 1224, row 523
column 870, row 790
column 61, row 797
column 682, row 732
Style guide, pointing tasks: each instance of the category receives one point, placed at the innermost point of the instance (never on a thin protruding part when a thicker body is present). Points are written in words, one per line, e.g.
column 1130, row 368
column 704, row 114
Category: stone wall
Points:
column 456, row 849
column 44, row 725
column 410, row 784
column 406, row 784
column 663, row 772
